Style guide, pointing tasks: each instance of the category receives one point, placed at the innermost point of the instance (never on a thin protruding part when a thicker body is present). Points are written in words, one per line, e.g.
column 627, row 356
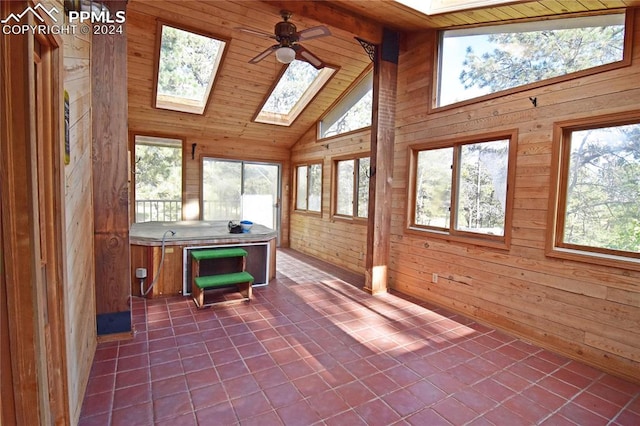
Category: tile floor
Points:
column 311, row 348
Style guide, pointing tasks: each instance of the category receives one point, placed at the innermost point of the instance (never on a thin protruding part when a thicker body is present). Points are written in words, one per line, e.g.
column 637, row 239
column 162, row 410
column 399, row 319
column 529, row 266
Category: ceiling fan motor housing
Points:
column 286, row 32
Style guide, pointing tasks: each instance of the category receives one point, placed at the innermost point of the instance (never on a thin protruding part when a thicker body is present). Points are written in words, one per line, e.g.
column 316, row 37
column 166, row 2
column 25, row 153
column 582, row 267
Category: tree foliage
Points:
column 294, row 82
column 525, row 57
column 186, row 63
column 158, row 173
column 480, row 204
column 158, row 190
column 603, row 189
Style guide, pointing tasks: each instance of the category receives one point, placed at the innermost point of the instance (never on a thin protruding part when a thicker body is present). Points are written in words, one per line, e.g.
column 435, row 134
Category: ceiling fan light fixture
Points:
column 285, row 54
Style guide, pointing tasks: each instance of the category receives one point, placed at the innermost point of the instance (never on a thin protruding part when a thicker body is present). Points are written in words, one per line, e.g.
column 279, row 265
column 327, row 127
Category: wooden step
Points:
column 223, row 280
column 220, row 253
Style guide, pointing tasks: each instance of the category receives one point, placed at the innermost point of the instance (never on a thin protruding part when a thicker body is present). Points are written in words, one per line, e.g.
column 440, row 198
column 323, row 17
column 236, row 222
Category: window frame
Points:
column 179, row 106
column 453, row 234
column 295, row 187
column 132, row 159
column 624, row 62
column 555, row 247
column 355, row 187
column 344, row 104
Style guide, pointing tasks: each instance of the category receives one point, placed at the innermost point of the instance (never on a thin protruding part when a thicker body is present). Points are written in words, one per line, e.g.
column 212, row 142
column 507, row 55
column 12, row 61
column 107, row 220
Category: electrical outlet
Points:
column 434, row 278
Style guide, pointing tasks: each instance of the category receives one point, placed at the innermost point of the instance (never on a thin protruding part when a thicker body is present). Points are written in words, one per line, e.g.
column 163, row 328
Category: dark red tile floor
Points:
column 312, row 348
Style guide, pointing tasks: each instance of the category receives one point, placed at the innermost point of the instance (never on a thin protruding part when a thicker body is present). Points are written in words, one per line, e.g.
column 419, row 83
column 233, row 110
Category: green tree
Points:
column 603, row 189
column 483, row 184
column 525, row 57
column 294, row 82
column 158, row 173
column 186, row 63
column 158, row 181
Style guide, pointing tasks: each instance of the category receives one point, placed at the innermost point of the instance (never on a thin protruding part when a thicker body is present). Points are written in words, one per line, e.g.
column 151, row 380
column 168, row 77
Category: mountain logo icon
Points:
column 38, row 11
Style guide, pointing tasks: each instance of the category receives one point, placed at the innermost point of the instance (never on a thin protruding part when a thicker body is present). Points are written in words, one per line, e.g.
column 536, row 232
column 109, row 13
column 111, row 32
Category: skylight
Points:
column 432, row 7
column 298, row 85
column 187, row 67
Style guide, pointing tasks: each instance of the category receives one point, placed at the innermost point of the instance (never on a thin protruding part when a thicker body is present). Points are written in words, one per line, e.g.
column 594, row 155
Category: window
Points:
column 462, row 188
column 187, row 67
column 480, row 61
column 241, row 190
column 158, row 179
column 598, row 200
column 352, row 187
column 309, row 187
column 297, row 86
column 352, row 112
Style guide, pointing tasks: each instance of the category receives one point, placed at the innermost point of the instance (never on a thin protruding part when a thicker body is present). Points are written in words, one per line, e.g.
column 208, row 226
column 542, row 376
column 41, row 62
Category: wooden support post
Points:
column 110, row 177
column 385, row 73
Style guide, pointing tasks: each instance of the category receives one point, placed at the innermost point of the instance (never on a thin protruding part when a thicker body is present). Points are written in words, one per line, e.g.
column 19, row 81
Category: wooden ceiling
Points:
column 240, row 88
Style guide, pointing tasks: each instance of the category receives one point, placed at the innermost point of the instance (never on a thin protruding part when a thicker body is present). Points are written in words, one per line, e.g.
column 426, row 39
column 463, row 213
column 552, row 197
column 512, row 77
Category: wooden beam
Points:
column 110, row 170
column 385, row 74
column 333, row 16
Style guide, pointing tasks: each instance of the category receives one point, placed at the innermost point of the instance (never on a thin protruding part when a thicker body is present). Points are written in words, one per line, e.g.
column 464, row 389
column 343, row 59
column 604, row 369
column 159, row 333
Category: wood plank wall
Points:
column 585, row 311
column 80, row 291
column 338, row 241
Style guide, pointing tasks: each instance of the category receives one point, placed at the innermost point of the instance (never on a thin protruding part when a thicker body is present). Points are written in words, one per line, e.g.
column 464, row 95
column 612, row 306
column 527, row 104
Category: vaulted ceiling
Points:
column 241, row 87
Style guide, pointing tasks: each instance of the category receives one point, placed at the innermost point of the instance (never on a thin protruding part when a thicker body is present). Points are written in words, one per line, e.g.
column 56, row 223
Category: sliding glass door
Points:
column 241, row 190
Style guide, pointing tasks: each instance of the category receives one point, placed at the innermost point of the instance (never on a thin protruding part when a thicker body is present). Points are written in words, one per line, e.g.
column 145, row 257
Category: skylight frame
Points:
column 185, row 104
column 434, row 7
column 268, row 117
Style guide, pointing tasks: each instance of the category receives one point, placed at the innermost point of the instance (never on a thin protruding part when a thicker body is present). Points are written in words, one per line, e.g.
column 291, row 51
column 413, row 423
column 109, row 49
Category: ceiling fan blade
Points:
column 264, row 54
column 255, row 32
column 313, row 32
column 303, row 54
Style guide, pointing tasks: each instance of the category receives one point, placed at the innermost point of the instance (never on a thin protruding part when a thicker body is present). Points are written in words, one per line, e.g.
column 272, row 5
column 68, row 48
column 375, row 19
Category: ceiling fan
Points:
column 287, row 36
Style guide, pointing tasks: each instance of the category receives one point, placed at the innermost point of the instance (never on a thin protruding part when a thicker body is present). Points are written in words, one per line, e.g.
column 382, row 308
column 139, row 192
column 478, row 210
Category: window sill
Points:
column 349, row 219
column 466, row 238
column 308, row 213
column 595, row 258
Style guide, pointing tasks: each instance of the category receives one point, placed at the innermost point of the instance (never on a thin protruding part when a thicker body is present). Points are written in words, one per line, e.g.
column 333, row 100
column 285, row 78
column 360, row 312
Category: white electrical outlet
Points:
column 141, row 273
column 434, row 278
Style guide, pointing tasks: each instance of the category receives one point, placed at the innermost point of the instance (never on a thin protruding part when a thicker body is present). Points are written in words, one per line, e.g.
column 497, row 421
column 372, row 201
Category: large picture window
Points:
column 309, row 187
column 462, row 188
column 352, row 187
column 598, row 199
column 483, row 60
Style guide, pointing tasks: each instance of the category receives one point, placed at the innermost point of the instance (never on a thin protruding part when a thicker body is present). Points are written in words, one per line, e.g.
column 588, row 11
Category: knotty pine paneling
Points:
column 584, row 311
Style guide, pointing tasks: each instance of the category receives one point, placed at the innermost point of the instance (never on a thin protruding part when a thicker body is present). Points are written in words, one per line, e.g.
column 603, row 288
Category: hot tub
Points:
column 174, row 278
